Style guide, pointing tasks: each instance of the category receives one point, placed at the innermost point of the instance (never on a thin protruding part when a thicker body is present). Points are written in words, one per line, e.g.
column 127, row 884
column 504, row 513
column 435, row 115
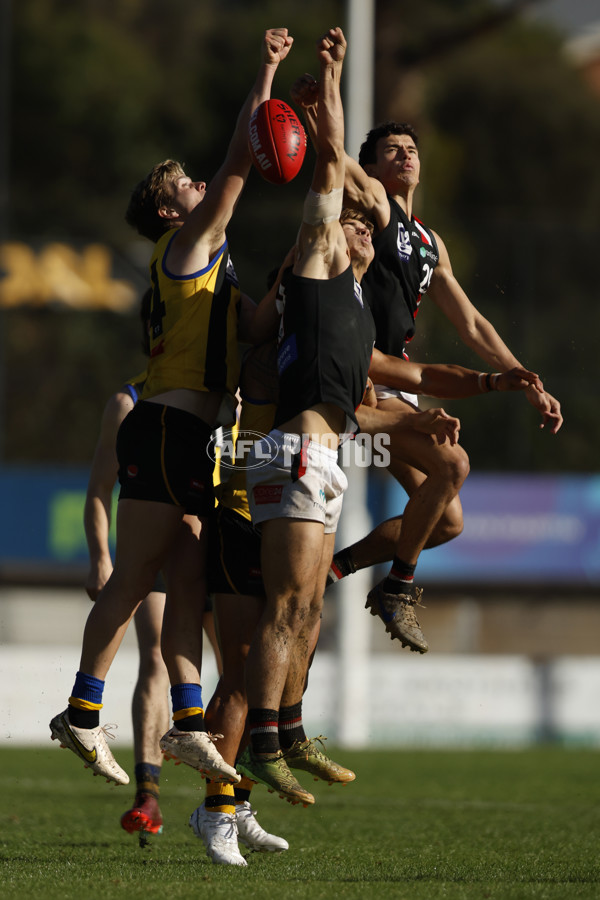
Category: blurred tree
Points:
column 509, row 142
column 101, row 92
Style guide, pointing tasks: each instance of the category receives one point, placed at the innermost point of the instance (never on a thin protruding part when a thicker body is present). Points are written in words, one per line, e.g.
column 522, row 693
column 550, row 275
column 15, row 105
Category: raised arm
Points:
column 321, row 249
column 360, row 190
column 208, row 221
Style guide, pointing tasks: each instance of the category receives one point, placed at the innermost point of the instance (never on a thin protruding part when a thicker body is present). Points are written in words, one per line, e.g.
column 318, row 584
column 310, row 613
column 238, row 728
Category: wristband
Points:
column 494, row 380
column 483, row 383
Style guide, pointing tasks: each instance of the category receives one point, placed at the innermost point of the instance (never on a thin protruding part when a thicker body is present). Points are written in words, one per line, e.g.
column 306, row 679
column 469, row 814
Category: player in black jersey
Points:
column 325, row 345
column 410, row 259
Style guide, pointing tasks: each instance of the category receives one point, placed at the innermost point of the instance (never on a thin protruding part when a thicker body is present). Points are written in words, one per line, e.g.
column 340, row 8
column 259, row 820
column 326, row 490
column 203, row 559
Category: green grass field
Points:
column 416, row 825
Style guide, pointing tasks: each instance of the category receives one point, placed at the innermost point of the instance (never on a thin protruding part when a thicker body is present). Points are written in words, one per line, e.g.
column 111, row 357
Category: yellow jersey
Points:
column 193, row 325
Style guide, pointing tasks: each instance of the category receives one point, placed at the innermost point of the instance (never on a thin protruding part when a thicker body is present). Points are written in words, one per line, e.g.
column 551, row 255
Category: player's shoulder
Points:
column 119, row 404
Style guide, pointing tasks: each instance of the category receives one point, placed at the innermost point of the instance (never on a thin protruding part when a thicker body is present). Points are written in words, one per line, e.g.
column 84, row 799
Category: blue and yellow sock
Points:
column 85, row 701
column 146, row 779
column 188, row 712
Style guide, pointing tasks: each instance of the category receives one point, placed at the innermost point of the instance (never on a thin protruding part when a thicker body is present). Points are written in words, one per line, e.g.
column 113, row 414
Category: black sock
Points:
column 290, row 725
column 84, row 718
column 264, row 736
column 400, row 577
column 242, row 795
column 341, row 565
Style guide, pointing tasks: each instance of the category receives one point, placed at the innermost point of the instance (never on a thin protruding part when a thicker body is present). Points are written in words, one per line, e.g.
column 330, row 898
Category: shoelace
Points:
column 228, row 823
column 247, row 814
column 310, row 745
column 107, row 730
column 189, row 735
column 417, row 600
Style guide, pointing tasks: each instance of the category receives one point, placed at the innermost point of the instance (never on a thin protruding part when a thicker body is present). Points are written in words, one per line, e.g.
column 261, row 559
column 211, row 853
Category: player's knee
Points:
column 450, row 527
column 152, row 664
column 456, row 467
column 462, row 468
column 292, row 616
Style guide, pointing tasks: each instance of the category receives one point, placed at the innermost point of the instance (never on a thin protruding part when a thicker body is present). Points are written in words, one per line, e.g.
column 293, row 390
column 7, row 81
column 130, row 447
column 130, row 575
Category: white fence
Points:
column 450, row 701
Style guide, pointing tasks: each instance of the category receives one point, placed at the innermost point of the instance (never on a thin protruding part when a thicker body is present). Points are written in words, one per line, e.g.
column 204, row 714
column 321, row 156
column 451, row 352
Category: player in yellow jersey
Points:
column 149, row 711
column 167, row 498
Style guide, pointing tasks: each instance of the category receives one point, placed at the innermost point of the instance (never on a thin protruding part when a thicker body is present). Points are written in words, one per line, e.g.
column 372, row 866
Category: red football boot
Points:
column 144, row 815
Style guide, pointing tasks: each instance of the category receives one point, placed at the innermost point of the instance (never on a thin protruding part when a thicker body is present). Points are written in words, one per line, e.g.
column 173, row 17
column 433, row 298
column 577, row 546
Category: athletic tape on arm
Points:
column 320, row 209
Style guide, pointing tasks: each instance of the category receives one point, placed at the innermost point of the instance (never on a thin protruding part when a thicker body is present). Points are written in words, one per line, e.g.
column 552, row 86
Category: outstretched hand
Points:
column 276, row 45
column 438, row 423
column 548, row 406
column 518, row 379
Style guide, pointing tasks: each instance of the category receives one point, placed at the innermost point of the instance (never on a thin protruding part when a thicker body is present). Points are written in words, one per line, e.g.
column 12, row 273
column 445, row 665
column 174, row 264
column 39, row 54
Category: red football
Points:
column 277, row 141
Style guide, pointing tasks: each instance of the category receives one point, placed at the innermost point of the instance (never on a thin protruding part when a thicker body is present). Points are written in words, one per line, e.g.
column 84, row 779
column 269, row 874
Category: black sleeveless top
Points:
column 325, row 345
column 406, row 253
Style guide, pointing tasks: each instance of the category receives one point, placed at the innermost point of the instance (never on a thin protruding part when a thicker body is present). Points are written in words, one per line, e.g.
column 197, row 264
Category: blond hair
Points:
column 149, row 195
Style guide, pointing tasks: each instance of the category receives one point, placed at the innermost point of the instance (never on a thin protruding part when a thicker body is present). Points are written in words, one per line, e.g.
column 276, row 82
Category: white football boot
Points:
column 253, row 835
column 218, row 832
column 89, row 744
column 197, row 749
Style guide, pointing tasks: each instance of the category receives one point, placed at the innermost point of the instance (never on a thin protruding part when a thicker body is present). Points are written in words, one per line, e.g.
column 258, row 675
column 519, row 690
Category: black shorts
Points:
column 160, row 585
column 234, row 555
column 162, row 457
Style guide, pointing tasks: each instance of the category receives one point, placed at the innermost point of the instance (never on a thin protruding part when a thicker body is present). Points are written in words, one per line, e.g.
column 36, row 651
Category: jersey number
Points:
column 426, row 279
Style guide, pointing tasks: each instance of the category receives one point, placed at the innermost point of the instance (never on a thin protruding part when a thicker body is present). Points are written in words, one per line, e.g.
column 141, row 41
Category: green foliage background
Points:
column 510, row 143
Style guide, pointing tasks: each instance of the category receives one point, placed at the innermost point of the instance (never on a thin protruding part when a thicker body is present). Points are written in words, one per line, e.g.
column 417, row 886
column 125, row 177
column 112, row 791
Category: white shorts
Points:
column 382, row 392
column 301, row 480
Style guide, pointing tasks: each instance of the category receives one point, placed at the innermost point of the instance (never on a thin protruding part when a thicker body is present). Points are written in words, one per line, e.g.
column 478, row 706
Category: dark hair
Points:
column 368, row 149
column 148, row 196
column 145, row 307
column 358, row 216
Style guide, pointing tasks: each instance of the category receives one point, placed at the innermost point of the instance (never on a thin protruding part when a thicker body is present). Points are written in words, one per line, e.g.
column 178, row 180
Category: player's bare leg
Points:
column 432, row 475
column 291, row 553
column 302, row 752
column 226, row 808
column 145, row 535
column 150, row 714
column 185, row 573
